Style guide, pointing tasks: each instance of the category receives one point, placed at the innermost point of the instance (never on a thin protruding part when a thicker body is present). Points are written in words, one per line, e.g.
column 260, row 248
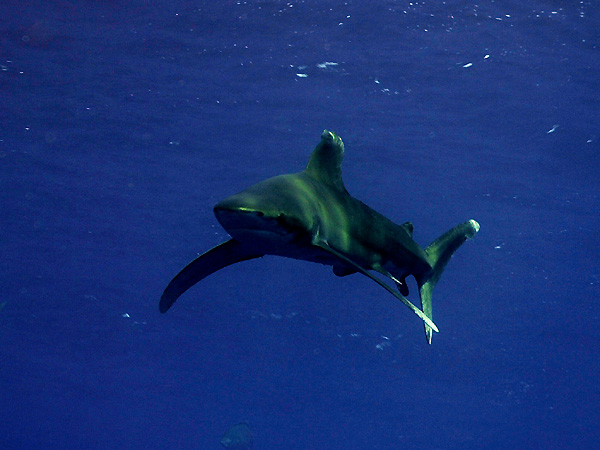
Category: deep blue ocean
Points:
column 122, row 123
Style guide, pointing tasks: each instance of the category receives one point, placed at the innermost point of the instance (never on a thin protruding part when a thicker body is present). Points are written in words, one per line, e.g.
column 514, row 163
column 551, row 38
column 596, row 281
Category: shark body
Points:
column 310, row 216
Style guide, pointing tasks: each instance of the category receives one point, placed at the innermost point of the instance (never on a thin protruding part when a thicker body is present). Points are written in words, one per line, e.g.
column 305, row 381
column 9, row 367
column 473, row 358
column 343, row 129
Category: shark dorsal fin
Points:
column 408, row 227
column 326, row 161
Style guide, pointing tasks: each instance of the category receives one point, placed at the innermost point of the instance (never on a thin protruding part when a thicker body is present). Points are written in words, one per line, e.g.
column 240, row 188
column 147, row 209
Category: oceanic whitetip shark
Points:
column 310, row 216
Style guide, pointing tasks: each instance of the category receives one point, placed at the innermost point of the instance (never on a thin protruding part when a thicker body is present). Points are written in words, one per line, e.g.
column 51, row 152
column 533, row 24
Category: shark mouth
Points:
column 247, row 225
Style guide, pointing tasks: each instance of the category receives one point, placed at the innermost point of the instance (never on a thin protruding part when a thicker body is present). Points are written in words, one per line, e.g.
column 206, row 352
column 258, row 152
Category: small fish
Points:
column 238, row 437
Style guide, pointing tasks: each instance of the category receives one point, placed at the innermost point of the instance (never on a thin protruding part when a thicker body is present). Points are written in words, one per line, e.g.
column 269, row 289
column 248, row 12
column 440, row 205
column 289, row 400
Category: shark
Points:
column 310, row 216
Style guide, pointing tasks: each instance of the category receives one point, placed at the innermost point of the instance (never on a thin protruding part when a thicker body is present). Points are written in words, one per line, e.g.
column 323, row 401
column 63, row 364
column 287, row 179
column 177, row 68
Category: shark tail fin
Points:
column 439, row 252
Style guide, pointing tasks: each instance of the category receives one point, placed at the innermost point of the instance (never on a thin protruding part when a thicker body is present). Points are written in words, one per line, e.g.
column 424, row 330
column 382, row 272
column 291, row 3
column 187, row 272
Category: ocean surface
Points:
column 122, row 123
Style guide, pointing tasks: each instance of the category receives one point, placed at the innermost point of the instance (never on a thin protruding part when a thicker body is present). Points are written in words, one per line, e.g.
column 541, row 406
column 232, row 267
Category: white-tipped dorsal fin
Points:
column 326, row 160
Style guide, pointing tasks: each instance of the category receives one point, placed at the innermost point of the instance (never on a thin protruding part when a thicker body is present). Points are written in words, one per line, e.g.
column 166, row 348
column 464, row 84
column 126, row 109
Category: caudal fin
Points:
column 439, row 252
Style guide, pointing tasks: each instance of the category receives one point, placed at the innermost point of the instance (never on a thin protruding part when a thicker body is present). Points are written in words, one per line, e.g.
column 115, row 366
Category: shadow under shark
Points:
column 310, row 216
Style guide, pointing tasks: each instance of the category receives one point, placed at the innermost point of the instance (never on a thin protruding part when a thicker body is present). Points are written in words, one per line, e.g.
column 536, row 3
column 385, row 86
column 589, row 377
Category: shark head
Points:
column 283, row 209
column 274, row 211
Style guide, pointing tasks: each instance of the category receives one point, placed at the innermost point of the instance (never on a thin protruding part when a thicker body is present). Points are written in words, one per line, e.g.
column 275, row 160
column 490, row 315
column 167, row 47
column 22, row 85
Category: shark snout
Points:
column 233, row 216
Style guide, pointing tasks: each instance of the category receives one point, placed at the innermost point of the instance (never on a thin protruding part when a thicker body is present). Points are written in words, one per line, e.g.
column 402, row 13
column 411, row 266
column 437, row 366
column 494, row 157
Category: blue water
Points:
column 123, row 123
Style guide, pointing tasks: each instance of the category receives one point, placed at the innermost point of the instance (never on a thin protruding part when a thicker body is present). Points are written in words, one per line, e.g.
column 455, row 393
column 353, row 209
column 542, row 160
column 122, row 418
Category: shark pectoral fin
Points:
column 223, row 255
column 360, row 269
